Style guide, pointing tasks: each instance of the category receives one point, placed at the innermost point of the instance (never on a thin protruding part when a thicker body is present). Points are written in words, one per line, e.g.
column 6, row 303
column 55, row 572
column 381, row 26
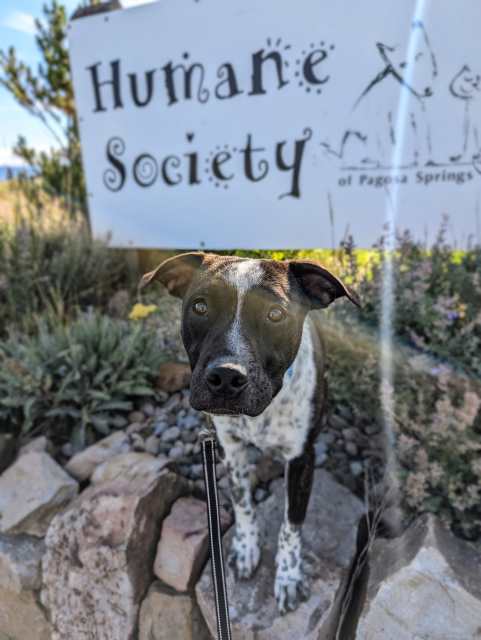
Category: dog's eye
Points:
column 200, row 307
column 276, row 314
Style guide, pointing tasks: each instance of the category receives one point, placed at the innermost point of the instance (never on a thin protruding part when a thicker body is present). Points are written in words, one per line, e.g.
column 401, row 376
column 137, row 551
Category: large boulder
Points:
column 165, row 615
column 38, row 444
column 132, row 464
column 21, row 615
column 184, row 543
column 173, row 376
column 329, row 537
column 32, row 491
column 83, row 464
column 424, row 584
column 100, row 552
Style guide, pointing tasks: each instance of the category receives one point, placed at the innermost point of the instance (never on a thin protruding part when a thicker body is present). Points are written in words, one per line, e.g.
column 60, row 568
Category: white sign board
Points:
column 278, row 124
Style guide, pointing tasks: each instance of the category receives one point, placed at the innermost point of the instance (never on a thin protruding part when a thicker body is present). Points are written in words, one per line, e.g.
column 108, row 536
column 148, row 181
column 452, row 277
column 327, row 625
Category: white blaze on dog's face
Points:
column 242, row 323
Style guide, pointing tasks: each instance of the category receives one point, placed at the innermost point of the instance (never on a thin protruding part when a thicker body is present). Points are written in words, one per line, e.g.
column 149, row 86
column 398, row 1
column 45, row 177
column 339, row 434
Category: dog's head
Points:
column 242, row 323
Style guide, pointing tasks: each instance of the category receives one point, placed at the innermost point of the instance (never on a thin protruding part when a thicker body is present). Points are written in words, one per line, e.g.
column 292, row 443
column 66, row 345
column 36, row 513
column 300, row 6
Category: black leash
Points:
column 208, row 442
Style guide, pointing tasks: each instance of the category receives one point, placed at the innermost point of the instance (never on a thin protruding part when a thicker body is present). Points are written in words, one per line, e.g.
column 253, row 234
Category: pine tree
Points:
column 47, row 94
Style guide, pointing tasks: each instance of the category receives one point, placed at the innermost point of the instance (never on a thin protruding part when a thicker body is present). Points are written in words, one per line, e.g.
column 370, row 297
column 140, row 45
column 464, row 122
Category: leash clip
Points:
column 208, row 431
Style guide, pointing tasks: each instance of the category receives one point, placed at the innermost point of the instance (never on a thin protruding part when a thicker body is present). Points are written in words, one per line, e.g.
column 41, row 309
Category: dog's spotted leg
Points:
column 245, row 551
column 290, row 585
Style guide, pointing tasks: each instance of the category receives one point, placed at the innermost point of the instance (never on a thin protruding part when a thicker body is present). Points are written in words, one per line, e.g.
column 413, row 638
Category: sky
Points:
column 17, row 29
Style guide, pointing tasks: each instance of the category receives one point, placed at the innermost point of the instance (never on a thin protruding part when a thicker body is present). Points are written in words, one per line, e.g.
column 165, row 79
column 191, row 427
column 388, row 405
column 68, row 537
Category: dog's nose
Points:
column 226, row 380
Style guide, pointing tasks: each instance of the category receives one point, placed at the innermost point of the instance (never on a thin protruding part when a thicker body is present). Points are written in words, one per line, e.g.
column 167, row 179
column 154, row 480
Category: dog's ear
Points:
column 320, row 285
column 175, row 273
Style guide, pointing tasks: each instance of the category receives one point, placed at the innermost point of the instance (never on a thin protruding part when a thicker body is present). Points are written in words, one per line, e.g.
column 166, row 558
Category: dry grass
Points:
column 48, row 213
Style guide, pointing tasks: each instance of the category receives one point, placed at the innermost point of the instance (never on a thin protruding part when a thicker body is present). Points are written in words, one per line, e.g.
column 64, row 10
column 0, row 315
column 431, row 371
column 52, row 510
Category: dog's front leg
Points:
column 290, row 585
column 245, row 551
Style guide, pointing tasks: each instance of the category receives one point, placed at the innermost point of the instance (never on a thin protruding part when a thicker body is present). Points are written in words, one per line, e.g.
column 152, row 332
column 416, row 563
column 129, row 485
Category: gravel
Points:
column 171, row 434
column 346, row 446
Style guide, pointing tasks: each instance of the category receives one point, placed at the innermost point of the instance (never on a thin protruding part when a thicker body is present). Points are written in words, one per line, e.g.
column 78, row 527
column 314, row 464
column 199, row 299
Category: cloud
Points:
column 20, row 21
column 8, row 158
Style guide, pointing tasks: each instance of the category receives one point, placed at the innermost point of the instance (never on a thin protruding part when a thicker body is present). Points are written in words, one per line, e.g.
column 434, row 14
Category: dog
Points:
column 258, row 368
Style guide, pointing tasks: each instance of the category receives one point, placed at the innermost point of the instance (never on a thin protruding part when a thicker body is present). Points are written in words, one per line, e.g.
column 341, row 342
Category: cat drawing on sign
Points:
column 466, row 86
column 373, row 131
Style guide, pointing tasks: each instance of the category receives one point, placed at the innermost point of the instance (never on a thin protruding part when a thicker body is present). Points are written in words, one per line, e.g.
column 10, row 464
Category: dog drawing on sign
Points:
column 258, row 369
column 466, row 86
column 373, row 132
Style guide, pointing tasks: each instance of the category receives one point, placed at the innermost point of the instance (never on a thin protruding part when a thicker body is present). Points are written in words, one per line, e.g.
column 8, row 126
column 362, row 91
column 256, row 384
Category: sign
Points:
column 276, row 124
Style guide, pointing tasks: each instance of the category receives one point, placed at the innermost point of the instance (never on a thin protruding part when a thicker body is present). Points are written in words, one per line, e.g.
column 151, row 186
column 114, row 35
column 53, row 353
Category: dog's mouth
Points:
column 231, row 410
column 225, row 412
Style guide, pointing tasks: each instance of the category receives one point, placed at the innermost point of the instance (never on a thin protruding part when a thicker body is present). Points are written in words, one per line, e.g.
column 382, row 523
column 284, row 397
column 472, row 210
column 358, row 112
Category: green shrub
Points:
column 438, row 448
column 437, row 422
column 57, row 270
column 437, row 299
column 437, row 292
column 75, row 383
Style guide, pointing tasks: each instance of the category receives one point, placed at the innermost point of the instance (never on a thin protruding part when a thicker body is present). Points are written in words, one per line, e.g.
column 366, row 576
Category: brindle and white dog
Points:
column 258, row 368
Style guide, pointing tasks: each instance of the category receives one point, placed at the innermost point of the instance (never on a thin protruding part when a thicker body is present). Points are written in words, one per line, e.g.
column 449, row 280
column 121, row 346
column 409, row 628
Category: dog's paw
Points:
column 245, row 554
column 290, row 591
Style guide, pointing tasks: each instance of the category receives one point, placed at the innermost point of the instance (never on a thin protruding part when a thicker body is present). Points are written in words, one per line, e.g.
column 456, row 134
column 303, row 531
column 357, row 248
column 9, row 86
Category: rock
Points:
column 20, row 562
column 135, row 427
column 173, row 376
column 326, row 438
column 171, row 434
column 371, row 430
column 351, row 449
column 184, row 543
column 83, row 464
column 337, row 422
column 166, row 616
column 8, row 450
column 320, row 449
column 190, row 436
column 148, row 409
column 132, row 464
column 424, row 584
column 350, row 433
column 98, row 562
column 172, row 419
column 137, row 442
column 356, row 468
column 267, row 468
column 39, row 444
column 32, row 491
column 22, row 617
column 20, row 576
column 119, row 422
column 197, row 471
column 176, row 452
column 260, row 494
column 191, row 421
column 152, row 445
column 160, row 427
column 329, row 545
column 173, row 403
column 136, row 416
column 67, row 450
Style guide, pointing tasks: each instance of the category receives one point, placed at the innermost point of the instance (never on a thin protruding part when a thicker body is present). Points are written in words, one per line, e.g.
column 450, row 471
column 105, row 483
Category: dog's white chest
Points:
column 282, row 428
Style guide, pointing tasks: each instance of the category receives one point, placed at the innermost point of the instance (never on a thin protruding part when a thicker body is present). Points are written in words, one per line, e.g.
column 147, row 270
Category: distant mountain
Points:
column 7, row 172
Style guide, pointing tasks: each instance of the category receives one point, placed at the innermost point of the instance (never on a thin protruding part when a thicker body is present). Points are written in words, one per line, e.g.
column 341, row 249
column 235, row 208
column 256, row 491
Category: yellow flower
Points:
column 140, row 311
